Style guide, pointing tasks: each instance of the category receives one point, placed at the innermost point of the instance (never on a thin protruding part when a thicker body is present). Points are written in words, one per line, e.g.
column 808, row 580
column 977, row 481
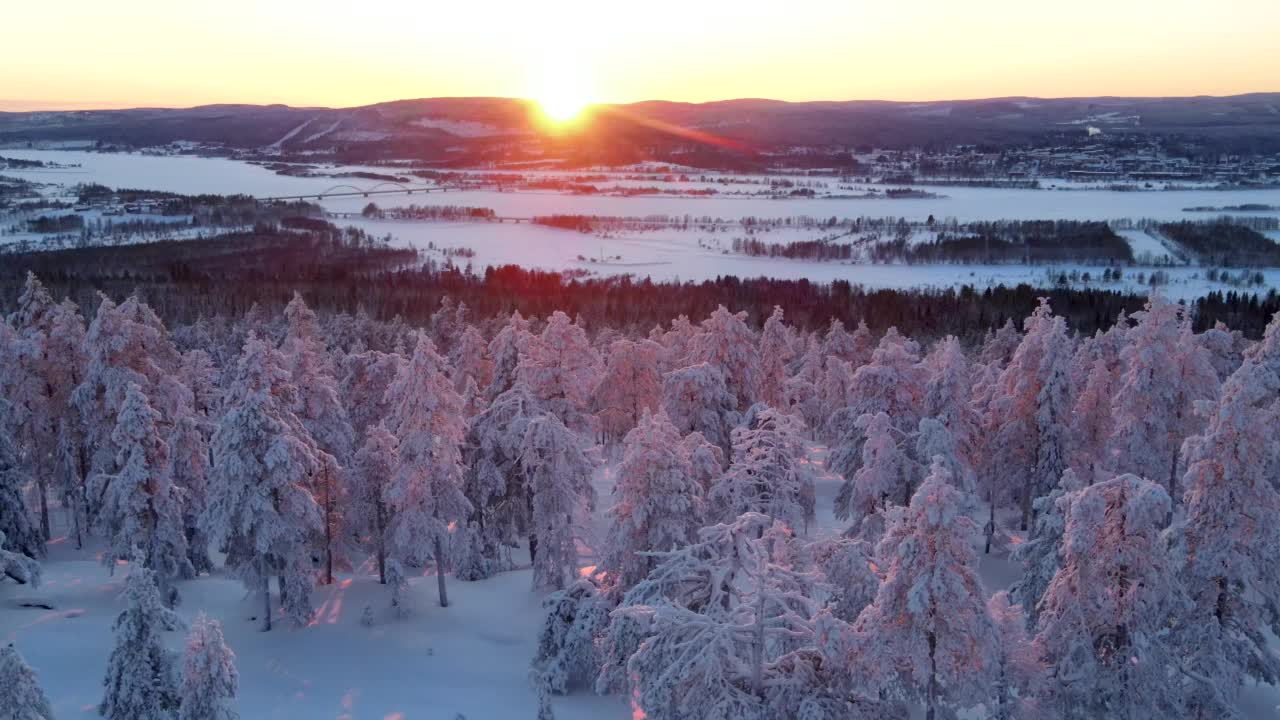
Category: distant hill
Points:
column 453, row 131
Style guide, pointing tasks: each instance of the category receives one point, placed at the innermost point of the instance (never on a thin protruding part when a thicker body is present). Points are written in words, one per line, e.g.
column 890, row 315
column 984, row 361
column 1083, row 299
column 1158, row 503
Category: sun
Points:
column 562, row 93
column 562, row 105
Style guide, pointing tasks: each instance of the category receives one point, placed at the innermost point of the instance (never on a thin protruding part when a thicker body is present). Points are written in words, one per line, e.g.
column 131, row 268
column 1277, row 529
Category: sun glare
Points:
column 562, row 105
column 561, row 90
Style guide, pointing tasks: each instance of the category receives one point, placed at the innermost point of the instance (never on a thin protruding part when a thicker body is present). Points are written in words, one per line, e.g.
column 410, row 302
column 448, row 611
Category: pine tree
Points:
column 697, row 400
column 425, row 493
column 470, row 360
column 504, row 350
column 1165, row 372
column 141, row 508
column 21, row 697
column 363, row 388
column 1040, row 555
column 725, row 342
column 1017, row 672
column 658, row 501
column 948, row 398
column 882, row 478
column 927, row 635
column 1105, row 615
column 367, row 512
column 629, row 387
column 17, row 566
column 260, row 506
column 142, row 675
column 561, row 370
column 775, row 353
column 209, row 677
column 16, row 522
column 1226, row 543
column 769, row 474
column 559, row 476
column 1091, row 424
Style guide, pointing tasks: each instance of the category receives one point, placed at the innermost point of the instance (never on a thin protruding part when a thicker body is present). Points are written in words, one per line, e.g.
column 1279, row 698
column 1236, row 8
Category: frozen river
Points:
column 192, row 175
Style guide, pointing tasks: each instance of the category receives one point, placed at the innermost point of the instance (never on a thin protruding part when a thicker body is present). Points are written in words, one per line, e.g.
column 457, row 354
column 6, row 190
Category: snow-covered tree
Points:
column 260, row 503
column 883, row 477
column 1091, row 423
column 495, row 482
column 775, row 353
column 142, row 674
column 1227, row 541
column 1016, row 673
column 1223, row 348
column 188, row 470
column 803, row 390
column 1053, row 415
column 835, row 392
column 1040, row 555
column 706, row 461
column 470, row 360
column 559, row 475
column 367, row 513
column 847, row 565
column 658, row 502
column 927, row 635
column 948, row 398
column 560, row 368
column 629, row 387
column 16, row 522
column 17, row 566
column 1104, row 619
column 770, row 473
column 141, row 509
column 725, row 342
column 21, row 697
column 504, row 350
column 567, row 656
column 209, row 677
column 1165, row 373
column 697, row 400
column 893, row 382
column 425, row 493
column 363, row 388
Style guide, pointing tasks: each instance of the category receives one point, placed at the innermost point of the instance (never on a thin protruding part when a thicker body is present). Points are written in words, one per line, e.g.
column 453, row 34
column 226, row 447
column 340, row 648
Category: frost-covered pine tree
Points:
column 21, row 697
column 803, row 390
column 16, row 521
column 209, row 677
column 188, row 470
column 697, row 400
column 142, row 674
column 629, row 387
column 1053, row 415
column 927, row 635
column 1226, row 546
column 425, row 493
column 470, row 360
column 1041, row 553
column 775, row 353
column 260, row 504
column 835, row 392
column 367, row 513
column 559, row 473
column 883, row 478
column 567, row 656
column 1165, row 373
column 320, row 410
column 495, row 482
column 893, row 382
column 769, row 474
column 706, row 461
column 1016, row 674
column 504, row 350
column 561, row 369
column 658, row 502
column 141, row 508
column 1105, row 617
column 1091, row 424
column 17, row 566
column 725, row 342
column 363, row 388
column 948, row 398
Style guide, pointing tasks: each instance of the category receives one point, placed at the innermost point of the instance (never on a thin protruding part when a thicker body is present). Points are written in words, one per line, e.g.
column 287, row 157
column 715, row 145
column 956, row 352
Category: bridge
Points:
column 338, row 191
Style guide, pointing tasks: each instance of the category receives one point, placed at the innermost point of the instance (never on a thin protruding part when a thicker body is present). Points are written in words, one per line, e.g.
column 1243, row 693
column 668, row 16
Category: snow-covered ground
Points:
column 696, row 256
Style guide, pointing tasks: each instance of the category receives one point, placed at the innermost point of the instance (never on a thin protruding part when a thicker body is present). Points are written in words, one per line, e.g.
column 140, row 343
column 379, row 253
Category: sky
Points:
column 75, row 54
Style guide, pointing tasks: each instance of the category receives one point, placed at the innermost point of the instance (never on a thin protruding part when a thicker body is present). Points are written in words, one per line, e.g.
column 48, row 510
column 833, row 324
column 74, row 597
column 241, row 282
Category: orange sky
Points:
column 89, row 53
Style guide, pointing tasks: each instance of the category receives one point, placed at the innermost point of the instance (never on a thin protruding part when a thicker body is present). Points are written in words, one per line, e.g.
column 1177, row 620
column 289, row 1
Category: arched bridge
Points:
column 382, row 188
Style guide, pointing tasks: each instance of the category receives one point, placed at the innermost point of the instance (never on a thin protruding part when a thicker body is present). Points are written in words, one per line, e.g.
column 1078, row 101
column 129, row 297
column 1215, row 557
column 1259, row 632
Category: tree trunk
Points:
column 379, row 524
column 1026, row 504
column 444, row 596
column 757, row 648
column 44, row 510
column 266, row 602
column 933, row 677
column 990, row 529
column 328, row 527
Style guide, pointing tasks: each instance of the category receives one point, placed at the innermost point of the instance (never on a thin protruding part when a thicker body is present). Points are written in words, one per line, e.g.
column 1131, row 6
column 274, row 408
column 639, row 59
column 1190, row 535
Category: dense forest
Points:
column 1120, row 469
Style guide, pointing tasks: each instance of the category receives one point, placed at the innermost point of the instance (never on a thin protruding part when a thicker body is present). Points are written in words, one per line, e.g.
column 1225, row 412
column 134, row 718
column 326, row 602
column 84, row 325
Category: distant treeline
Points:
column 1223, row 243
column 347, row 269
column 1029, row 242
column 799, row 249
column 450, row 213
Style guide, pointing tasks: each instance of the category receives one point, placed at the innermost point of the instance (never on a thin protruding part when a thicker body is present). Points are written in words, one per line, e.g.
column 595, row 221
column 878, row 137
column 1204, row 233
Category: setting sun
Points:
column 562, row 105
